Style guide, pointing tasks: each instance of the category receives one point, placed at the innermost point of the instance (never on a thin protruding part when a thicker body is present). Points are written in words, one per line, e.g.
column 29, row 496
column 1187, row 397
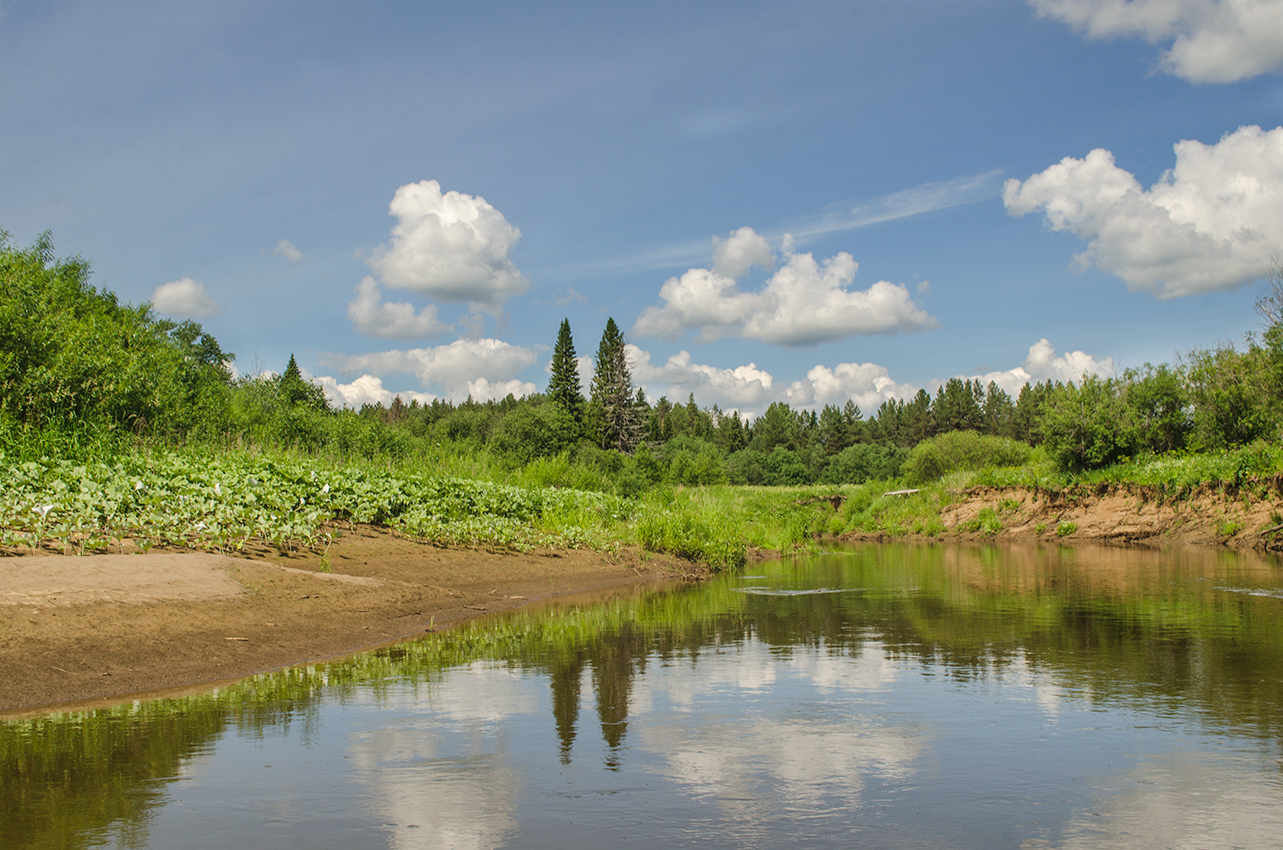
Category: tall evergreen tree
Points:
column 294, row 390
column 563, row 387
column 614, row 410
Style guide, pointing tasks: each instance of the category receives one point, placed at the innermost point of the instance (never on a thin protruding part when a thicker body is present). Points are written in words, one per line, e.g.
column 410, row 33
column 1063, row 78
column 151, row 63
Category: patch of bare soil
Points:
column 1124, row 514
column 95, row 629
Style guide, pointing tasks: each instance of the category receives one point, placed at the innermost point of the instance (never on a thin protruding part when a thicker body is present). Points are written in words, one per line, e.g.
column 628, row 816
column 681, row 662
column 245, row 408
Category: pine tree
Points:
column 614, row 411
column 294, row 390
column 563, row 386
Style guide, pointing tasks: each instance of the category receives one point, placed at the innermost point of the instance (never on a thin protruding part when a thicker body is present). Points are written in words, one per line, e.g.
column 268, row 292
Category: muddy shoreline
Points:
column 98, row 630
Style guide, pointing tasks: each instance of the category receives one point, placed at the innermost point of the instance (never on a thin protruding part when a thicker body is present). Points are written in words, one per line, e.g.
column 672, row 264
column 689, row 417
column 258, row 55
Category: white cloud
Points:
column 803, row 303
column 1210, row 223
column 868, row 384
column 449, row 246
column 391, row 320
column 288, row 251
column 184, row 298
column 742, row 250
column 366, row 389
column 751, row 390
column 482, row 368
column 1043, row 364
column 483, row 389
column 740, row 388
column 1212, row 41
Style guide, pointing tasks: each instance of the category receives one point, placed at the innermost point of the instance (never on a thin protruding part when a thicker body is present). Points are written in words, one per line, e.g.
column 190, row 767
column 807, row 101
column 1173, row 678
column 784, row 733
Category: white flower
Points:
column 218, row 490
column 325, row 489
column 138, row 485
column 43, row 510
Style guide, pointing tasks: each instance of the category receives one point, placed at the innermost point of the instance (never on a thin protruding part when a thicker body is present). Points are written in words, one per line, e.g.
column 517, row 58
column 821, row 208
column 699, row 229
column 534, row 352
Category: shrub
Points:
column 1089, row 426
column 534, row 431
column 932, row 459
column 864, row 462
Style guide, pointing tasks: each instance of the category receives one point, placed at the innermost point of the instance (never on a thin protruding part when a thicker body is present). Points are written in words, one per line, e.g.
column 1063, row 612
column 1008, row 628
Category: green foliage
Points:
column 613, row 414
column 1064, row 529
column 931, row 459
column 1234, row 400
column 986, row 522
column 76, row 363
column 222, row 501
column 534, row 431
column 698, row 532
column 864, row 462
column 1088, row 426
column 294, row 391
column 1160, row 406
column 691, row 461
column 563, row 387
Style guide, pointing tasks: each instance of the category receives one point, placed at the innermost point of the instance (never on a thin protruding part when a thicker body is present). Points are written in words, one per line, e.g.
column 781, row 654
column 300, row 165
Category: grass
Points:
column 221, row 499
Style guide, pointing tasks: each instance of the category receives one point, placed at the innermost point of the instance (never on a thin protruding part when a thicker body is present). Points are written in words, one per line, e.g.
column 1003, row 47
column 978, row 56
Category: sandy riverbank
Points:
column 97, row 629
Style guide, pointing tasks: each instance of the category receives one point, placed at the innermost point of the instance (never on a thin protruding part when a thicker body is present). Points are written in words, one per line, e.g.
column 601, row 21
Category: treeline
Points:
column 79, row 371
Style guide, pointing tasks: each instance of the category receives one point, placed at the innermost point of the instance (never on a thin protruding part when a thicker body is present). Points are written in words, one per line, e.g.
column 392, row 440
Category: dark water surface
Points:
column 882, row 696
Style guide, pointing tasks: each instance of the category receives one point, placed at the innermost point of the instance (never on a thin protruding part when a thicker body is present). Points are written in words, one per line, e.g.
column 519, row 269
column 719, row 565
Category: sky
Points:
column 806, row 202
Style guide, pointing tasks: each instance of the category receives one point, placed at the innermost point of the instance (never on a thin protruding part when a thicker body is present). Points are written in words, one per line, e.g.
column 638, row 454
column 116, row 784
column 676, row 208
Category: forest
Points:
column 84, row 375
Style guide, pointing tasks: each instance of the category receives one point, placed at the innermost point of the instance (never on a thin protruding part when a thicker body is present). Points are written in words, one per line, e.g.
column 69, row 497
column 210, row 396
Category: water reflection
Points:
column 949, row 696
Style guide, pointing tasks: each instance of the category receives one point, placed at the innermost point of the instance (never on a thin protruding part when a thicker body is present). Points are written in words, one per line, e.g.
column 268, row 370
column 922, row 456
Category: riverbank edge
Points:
column 374, row 589
column 1240, row 518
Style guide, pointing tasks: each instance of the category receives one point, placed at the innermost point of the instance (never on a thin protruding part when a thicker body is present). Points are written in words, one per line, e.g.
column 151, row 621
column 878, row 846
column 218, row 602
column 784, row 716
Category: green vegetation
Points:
column 115, row 425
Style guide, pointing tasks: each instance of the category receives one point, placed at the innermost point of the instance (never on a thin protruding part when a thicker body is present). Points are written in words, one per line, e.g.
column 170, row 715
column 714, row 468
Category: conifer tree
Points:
column 563, row 386
column 294, row 390
column 615, row 422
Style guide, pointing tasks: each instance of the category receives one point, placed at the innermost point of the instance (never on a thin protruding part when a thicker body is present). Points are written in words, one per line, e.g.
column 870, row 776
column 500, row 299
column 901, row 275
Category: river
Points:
column 875, row 696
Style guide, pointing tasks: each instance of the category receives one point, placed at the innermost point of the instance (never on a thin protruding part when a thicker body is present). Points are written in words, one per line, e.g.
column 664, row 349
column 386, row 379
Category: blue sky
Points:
column 805, row 202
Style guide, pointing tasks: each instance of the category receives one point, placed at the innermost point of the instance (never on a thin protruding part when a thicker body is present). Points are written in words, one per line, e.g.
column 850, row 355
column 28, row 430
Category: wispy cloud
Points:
column 925, row 198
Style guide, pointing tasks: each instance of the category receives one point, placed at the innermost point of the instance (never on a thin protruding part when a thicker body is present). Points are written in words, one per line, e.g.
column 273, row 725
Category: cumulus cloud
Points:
column 482, row 368
column 1212, row 222
column 288, row 251
column 185, row 298
column 867, row 384
column 750, row 390
column 803, row 303
column 366, row 389
column 734, row 256
column 391, row 320
column 449, row 246
column 741, row 388
column 1212, row 41
column 1044, row 364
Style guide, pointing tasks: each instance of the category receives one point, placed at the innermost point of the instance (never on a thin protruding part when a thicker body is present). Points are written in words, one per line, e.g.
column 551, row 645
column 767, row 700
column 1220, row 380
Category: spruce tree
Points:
column 294, row 390
column 615, row 422
column 563, row 387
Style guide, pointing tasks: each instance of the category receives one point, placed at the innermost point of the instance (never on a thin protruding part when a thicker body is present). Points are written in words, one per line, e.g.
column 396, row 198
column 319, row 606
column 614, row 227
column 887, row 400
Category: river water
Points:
column 878, row 696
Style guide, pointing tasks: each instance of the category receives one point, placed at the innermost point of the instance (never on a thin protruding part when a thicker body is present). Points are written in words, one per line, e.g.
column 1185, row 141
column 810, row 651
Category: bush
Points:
column 691, row 461
column 864, row 462
column 534, row 431
column 1090, row 426
column 932, row 459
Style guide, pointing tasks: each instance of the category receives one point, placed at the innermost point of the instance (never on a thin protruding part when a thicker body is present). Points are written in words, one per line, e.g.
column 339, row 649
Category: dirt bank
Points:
column 99, row 628
column 1119, row 514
